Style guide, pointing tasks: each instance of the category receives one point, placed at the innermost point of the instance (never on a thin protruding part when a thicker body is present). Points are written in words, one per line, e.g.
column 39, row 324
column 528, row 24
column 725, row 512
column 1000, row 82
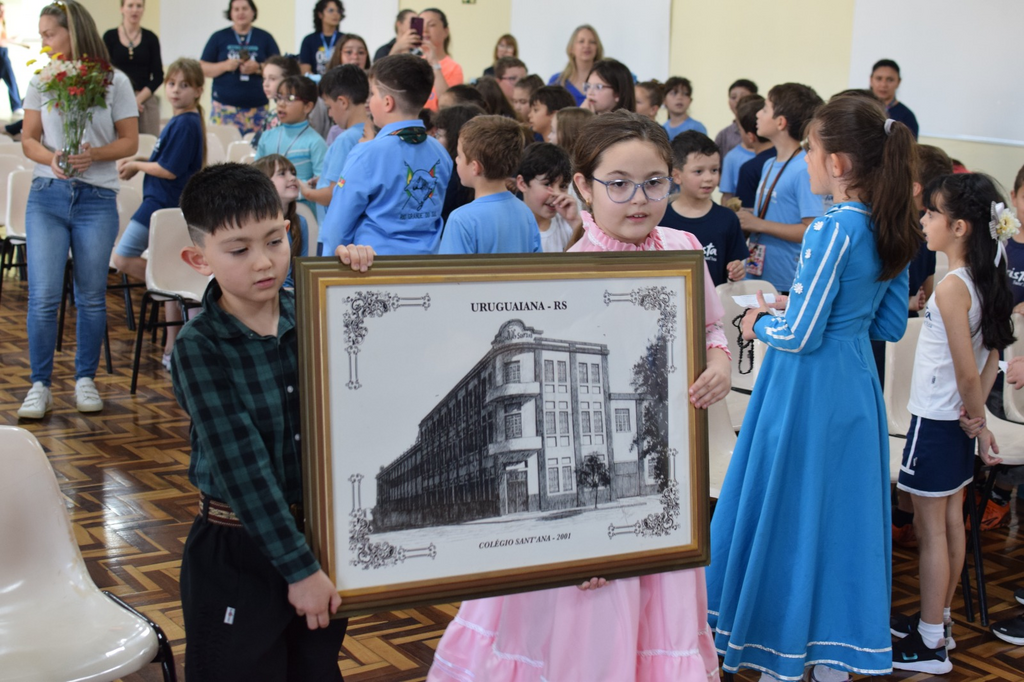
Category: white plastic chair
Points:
column 168, row 277
column 4, row 139
column 14, row 150
column 8, row 164
column 899, row 368
column 214, row 149
column 742, row 384
column 1013, row 399
column 56, row 624
column 146, row 144
column 238, row 151
column 311, row 225
column 19, row 184
column 226, row 134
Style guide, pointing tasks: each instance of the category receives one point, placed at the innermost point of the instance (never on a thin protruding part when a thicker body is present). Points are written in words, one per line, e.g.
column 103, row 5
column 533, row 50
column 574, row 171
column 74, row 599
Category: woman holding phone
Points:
column 436, row 38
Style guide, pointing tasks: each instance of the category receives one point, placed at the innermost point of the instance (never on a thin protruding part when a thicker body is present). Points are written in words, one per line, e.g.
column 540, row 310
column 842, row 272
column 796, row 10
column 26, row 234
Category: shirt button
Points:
column 291, row 390
column 298, row 437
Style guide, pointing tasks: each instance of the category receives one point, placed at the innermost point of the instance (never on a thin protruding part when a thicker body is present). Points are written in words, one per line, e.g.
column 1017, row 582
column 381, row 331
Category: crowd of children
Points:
column 822, row 201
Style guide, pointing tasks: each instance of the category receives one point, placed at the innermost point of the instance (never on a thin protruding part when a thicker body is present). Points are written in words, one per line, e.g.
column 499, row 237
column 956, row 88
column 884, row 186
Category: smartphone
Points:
column 416, row 24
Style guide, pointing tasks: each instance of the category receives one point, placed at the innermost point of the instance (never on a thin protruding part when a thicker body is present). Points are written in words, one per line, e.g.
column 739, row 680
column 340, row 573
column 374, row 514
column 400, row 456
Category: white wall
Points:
column 372, row 20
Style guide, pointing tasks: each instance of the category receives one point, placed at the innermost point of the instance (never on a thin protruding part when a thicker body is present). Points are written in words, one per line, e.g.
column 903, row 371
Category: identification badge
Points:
column 755, row 264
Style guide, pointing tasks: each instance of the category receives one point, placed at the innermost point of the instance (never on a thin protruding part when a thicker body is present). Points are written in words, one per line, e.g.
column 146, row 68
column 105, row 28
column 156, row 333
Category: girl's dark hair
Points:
column 467, row 94
column 882, row 172
column 620, row 78
column 268, row 165
column 969, row 197
column 444, row 23
column 318, row 9
column 302, row 87
column 251, row 3
column 451, row 120
column 495, row 101
column 601, row 132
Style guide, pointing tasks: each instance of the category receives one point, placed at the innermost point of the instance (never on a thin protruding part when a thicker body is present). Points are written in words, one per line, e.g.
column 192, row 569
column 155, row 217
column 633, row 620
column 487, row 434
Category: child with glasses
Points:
column 609, row 87
column 647, row 628
column 508, row 71
column 295, row 138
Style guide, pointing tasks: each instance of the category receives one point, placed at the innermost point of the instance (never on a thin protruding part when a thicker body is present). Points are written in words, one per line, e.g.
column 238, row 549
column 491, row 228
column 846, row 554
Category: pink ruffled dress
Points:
column 652, row 628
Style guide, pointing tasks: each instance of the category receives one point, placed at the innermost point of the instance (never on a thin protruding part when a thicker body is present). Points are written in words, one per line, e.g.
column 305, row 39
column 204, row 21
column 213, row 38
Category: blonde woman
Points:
column 583, row 50
column 80, row 214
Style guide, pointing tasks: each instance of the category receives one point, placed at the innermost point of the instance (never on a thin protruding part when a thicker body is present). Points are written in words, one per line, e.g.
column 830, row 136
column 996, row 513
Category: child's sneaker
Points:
column 37, row 403
column 1011, row 630
column 911, row 653
column 166, row 361
column 87, row 398
column 900, row 626
column 1019, row 595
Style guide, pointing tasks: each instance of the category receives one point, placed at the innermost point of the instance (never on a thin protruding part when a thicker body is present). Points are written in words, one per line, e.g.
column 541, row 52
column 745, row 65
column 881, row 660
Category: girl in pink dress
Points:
column 647, row 629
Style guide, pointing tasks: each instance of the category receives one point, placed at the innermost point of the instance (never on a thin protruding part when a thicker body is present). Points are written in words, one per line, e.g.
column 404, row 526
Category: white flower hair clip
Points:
column 1002, row 226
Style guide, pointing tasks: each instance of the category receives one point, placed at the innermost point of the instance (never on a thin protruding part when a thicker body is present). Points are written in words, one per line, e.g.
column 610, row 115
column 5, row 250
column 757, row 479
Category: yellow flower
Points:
column 46, row 50
column 30, row 62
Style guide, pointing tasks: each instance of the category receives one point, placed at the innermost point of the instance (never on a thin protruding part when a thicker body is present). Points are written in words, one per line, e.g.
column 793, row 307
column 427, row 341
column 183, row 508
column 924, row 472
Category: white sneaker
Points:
column 166, row 361
column 37, row 403
column 87, row 398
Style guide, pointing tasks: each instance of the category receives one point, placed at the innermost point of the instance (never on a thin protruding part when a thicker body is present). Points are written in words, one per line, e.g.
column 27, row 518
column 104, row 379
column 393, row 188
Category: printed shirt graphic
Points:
column 1015, row 269
column 389, row 195
column 229, row 88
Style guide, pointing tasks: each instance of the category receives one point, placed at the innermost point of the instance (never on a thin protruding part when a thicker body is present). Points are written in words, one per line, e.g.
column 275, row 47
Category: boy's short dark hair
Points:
column 554, row 97
column 692, row 142
column 675, row 82
column 348, row 81
column 301, row 87
column 227, row 195
column 886, row 62
column 495, row 142
column 932, row 163
column 797, row 102
column 407, row 78
column 745, row 83
column 746, row 114
column 549, row 160
column 530, row 83
column 466, row 94
column 506, row 63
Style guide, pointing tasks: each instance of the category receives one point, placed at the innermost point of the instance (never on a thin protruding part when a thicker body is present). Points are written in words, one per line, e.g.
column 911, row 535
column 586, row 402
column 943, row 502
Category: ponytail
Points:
column 883, row 157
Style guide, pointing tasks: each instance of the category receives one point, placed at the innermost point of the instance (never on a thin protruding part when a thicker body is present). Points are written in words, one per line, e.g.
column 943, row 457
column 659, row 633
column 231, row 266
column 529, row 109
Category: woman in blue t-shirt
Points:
column 233, row 58
column 583, row 50
column 178, row 155
column 317, row 48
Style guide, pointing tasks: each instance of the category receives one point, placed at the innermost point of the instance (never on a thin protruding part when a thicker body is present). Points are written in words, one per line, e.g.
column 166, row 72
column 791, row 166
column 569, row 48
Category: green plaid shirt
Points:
column 242, row 392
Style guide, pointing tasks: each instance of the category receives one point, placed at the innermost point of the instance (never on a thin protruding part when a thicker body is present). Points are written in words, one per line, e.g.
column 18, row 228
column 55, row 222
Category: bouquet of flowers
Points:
column 74, row 87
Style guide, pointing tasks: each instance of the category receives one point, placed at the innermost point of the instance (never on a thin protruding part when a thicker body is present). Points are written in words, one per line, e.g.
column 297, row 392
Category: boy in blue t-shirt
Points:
column 751, row 144
column 495, row 222
column 295, row 138
column 391, row 189
column 344, row 89
column 785, row 205
column 696, row 170
column 678, row 97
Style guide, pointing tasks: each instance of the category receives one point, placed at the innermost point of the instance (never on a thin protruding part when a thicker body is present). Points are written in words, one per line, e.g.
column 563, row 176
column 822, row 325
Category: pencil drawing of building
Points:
column 509, row 436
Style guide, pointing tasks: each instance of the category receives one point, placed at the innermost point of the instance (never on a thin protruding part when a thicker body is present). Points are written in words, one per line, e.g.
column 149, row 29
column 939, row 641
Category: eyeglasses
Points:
column 623, row 191
column 597, row 87
column 285, row 99
column 510, row 79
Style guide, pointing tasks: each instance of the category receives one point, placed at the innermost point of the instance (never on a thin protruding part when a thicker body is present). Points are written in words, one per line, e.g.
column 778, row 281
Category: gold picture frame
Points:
column 448, row 400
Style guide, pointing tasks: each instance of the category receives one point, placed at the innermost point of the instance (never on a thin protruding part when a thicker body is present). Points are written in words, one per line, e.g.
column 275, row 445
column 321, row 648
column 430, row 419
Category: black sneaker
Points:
column 900, row 626
column 910, row 653
column 1019, row 595
column 1011, row 630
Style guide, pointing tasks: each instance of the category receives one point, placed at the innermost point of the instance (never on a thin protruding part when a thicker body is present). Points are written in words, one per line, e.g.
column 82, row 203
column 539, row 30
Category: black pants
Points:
column 238, row 622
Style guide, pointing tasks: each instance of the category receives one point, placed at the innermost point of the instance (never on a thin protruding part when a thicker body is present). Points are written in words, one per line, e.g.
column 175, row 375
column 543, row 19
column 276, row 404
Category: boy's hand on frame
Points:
column 359, row 258
column 316, row 598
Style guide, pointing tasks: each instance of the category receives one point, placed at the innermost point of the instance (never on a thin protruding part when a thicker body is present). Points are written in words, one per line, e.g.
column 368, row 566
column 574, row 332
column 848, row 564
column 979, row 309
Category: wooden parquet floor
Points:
column 124, row 475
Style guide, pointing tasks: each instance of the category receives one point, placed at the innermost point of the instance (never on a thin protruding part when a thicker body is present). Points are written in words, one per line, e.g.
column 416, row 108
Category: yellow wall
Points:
column 475, row 29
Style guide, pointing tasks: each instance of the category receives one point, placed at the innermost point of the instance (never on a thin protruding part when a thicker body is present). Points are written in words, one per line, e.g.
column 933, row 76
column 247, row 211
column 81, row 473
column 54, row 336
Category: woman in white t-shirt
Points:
column 77, row 213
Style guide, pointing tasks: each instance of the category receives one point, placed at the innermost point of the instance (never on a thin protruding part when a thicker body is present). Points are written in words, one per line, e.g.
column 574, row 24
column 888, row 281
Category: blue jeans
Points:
column 62, row 214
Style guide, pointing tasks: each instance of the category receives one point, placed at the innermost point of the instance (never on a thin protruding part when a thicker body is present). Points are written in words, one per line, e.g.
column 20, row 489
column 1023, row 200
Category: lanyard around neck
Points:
column 294, row 140
column 246, row 41
column 334, row 39
column 762, row 202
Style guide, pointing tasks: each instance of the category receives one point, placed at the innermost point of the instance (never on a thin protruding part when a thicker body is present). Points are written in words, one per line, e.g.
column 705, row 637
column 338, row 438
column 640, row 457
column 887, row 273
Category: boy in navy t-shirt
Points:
column 784, row 205
column 696, row 168
column 495, row 222
column 1015, row 248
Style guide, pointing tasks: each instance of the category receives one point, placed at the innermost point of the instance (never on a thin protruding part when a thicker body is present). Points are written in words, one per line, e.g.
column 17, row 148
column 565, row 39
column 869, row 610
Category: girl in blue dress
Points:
column 800, row 539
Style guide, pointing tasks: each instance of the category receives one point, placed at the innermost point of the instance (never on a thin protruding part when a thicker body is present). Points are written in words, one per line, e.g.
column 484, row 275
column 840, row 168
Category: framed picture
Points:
column 482, row 425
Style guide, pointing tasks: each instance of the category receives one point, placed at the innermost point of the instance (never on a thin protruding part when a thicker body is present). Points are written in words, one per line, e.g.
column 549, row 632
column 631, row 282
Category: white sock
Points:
column 947, row 617
column 933, row 636
column 822, row 673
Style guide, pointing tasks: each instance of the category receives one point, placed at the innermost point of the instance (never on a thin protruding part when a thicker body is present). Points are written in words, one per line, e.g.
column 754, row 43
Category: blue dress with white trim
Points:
column 801, row 565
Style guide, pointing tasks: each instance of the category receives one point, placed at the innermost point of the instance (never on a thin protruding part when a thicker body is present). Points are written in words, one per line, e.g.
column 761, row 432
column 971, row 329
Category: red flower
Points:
column 61, row 76
column 83, row 69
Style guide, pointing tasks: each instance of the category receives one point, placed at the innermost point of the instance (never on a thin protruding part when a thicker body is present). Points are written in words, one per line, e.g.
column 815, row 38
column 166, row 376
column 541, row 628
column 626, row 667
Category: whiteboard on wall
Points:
column 638, row 36
column 371, row 20
column 957, row 60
